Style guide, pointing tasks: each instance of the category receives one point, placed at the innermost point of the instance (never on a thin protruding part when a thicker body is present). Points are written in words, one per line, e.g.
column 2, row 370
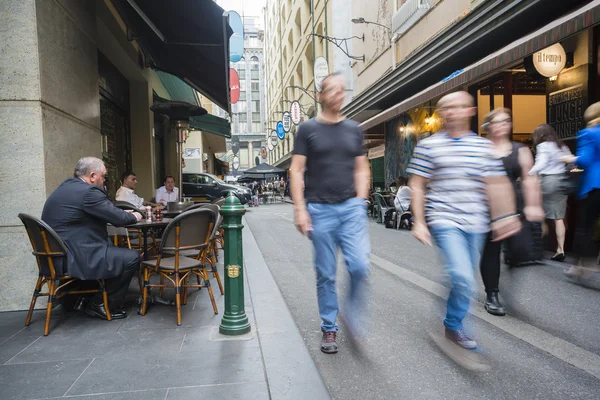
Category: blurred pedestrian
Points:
column 548, row 165
column 457, row 182
column 588, row 158
column 331, row 209
column 518, row 161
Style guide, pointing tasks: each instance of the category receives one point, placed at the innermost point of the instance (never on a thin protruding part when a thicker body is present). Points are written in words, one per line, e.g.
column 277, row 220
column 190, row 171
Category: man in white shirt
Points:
column 126, row 192
column 168, row 192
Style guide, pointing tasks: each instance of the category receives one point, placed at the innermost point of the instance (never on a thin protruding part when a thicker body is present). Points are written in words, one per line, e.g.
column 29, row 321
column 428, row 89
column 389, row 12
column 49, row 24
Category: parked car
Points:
column 211, row 187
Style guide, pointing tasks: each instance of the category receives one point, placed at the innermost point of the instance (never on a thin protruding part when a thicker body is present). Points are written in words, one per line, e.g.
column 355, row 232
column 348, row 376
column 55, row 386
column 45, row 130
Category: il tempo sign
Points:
column 550, row 61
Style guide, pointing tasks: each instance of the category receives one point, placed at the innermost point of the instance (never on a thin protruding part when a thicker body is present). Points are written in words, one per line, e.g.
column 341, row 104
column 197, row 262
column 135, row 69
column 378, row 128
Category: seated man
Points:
column 126, row 192
column 167, row 193
column 78, row 210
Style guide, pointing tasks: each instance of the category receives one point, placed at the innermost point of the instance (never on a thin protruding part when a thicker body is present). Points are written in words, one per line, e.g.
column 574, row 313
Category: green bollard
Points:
column 235, row 321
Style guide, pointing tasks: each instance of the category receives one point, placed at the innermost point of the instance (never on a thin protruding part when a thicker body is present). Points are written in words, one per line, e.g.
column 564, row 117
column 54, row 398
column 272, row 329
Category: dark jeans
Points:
column 585, row 245
column 490, row 265
column 117, row 287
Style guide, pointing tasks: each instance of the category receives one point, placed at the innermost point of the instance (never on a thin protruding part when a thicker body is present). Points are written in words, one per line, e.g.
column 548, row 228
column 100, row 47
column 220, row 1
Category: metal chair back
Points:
column 220, row 202
column 127, row 206
column 46, row 244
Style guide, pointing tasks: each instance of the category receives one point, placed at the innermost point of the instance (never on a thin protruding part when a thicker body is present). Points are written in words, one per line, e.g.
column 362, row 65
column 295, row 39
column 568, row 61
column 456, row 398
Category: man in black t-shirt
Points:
column 330, row 159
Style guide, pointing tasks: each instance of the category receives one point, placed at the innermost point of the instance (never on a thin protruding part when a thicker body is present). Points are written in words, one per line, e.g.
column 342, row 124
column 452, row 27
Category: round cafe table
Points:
column 145, row 225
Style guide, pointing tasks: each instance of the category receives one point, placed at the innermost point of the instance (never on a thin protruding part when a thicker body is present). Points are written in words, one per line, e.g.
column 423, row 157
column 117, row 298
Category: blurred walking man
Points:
column 457, row 182
column 331, row 210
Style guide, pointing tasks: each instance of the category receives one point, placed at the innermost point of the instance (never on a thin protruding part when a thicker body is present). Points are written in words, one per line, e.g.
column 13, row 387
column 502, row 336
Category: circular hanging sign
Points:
column 235, row 144
column 236, row 162
column 269, row 144
column 321, row 71
column 280, row 130
column 234, row 85
column 296, row 112
column 550, row 61
column 273, row 138
column 263, row 152
column 287, row 121
column 236, row 41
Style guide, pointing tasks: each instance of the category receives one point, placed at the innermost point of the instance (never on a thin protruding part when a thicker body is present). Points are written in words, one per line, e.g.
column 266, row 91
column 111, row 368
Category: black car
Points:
column 211, row 187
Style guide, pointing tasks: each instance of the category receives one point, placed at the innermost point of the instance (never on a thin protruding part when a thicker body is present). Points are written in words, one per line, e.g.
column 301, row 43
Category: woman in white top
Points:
column 548, row 165
column 402, row 199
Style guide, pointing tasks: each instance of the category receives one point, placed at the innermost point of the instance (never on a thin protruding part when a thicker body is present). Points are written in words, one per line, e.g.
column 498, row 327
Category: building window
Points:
column 255, row 86
column 242, row 95
column 256, row 127
column 243, row 126
column 242, row 106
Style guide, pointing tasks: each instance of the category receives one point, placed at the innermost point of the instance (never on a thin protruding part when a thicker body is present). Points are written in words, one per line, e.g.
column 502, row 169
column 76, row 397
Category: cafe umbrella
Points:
column 263, row 171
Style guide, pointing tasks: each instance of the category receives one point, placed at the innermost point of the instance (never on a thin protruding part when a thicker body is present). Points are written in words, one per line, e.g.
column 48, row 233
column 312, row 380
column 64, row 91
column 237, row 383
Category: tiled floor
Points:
column 137, row 358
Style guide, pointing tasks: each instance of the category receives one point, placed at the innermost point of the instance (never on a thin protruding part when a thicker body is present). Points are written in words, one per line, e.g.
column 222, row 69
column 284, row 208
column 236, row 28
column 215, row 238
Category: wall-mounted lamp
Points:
column 428, row 118
column 553, row 78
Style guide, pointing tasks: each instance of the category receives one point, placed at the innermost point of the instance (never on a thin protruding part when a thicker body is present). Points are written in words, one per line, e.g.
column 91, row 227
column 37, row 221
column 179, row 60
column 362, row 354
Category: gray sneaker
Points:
column 461, row 338
column 329, row 343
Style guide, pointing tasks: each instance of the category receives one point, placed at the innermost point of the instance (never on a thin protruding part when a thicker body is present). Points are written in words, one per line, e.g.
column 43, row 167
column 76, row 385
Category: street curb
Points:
column 291, row 371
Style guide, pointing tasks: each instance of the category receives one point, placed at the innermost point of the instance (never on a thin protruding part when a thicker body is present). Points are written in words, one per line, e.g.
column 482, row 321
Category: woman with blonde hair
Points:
column 518, row 161
column 548, row 165
column 588, row 158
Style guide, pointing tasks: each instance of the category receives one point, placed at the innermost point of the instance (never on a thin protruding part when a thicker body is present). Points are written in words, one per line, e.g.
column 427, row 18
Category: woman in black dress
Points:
column 517, row 161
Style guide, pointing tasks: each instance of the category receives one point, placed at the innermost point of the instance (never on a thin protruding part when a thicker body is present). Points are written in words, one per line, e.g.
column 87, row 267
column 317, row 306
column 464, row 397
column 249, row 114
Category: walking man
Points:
column 331, row 210
column 457, row 185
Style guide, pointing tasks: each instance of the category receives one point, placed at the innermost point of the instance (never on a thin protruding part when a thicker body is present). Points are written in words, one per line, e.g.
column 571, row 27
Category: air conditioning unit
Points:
column 409, row 13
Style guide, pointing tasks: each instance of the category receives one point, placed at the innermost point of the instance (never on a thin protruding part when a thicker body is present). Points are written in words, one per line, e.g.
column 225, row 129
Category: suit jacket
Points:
column 588, row 158
column 79, row 212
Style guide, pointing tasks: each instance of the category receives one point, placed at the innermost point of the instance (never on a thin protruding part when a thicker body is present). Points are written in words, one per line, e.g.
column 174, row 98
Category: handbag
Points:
column 569, row 183
column 525, row 246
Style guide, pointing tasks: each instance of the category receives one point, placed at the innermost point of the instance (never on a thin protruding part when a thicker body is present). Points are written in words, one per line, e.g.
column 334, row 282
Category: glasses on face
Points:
column 501, row 121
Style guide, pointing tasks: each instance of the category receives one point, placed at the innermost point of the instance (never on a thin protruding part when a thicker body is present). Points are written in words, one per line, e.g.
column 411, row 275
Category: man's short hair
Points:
column 168, row 176
column 86, row 165
column 332, row 75
column 126, row 175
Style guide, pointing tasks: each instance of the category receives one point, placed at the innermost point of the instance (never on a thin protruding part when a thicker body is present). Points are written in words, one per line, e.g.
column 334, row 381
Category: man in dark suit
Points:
column 78, row 210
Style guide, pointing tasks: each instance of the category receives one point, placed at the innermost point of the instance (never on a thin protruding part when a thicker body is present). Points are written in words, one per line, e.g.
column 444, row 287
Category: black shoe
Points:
column 94, row 310
column 81, row 303
column 559, row 257
column 493, row 306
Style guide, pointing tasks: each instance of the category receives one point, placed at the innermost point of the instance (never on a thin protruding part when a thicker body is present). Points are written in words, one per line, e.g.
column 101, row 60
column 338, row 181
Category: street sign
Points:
column 269, row 144
column 280, row 130
column 273, row 137
column 236, row 41
column 287, row 121
column 321, row 71
column 263, row 152
column 235, row 144
column 296, row 112
column 234, row 85
column 236, row 163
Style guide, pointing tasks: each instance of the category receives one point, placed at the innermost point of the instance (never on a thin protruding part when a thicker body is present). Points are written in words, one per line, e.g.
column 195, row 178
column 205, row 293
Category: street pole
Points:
column 234, row 321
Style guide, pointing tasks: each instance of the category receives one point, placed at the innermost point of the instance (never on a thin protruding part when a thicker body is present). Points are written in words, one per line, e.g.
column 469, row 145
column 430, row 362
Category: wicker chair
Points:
column 51, row 255
column 190, row 231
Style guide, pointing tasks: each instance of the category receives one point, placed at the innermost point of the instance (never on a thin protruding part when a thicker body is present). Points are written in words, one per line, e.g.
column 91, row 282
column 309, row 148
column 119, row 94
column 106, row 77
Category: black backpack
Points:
column 388, row 218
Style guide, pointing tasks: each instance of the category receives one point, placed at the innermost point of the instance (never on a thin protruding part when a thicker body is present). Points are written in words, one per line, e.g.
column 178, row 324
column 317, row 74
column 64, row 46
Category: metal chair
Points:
column 51, row 255
column 382, row 207
column 220, row 202
column 189, row 231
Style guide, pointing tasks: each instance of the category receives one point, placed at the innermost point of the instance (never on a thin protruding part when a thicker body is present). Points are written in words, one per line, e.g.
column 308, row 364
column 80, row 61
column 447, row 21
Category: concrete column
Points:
column 142, row 143
column 250, row 157
column 49, row 118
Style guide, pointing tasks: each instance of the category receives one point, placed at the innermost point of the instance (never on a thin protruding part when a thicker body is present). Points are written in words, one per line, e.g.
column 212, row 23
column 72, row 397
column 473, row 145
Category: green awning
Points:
column 213, row 124
column 178, row 89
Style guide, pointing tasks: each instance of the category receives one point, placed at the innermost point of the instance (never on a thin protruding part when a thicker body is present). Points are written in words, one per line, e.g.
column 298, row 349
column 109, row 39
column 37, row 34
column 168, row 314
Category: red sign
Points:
column 234, row 85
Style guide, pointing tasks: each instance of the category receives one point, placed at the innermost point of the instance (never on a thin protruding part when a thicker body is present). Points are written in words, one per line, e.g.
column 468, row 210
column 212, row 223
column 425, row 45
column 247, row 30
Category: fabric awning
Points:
column 186, row 38
column 213, row 124
column 556, row 31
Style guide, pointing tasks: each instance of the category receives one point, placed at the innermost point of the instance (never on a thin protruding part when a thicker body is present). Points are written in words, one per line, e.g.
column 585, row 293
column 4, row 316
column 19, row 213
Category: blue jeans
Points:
column 462, row 252
column 342, row 225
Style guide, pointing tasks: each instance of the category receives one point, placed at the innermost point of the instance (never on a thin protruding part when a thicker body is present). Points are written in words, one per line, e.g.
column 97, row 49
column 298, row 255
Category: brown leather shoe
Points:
column 329, row 343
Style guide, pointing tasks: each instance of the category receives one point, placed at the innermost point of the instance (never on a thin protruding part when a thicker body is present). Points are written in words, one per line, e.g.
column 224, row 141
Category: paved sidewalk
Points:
column 151, row 358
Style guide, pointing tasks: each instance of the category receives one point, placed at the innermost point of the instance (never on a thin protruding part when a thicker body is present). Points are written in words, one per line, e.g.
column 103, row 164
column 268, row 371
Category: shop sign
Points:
column 263, row 152
column 565, row 111
column 376, row 152
column 287, row 121
column 321, row 70
column 269, row 144
column 550, row 61
column 280, row 130
column 296, row 112
column 236, row 163
column 273, row 138
column 234, row 85
column 236, row 41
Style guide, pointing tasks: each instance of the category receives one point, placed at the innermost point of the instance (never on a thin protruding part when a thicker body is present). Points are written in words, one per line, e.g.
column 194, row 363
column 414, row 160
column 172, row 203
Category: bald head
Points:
column 460, row 98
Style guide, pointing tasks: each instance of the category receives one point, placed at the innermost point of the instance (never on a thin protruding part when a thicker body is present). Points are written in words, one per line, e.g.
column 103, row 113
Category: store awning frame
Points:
column 185, row 38
column 558, row 30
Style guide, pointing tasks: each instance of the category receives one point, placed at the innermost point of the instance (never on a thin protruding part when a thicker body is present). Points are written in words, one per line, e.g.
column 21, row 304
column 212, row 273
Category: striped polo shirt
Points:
column 456, row 170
